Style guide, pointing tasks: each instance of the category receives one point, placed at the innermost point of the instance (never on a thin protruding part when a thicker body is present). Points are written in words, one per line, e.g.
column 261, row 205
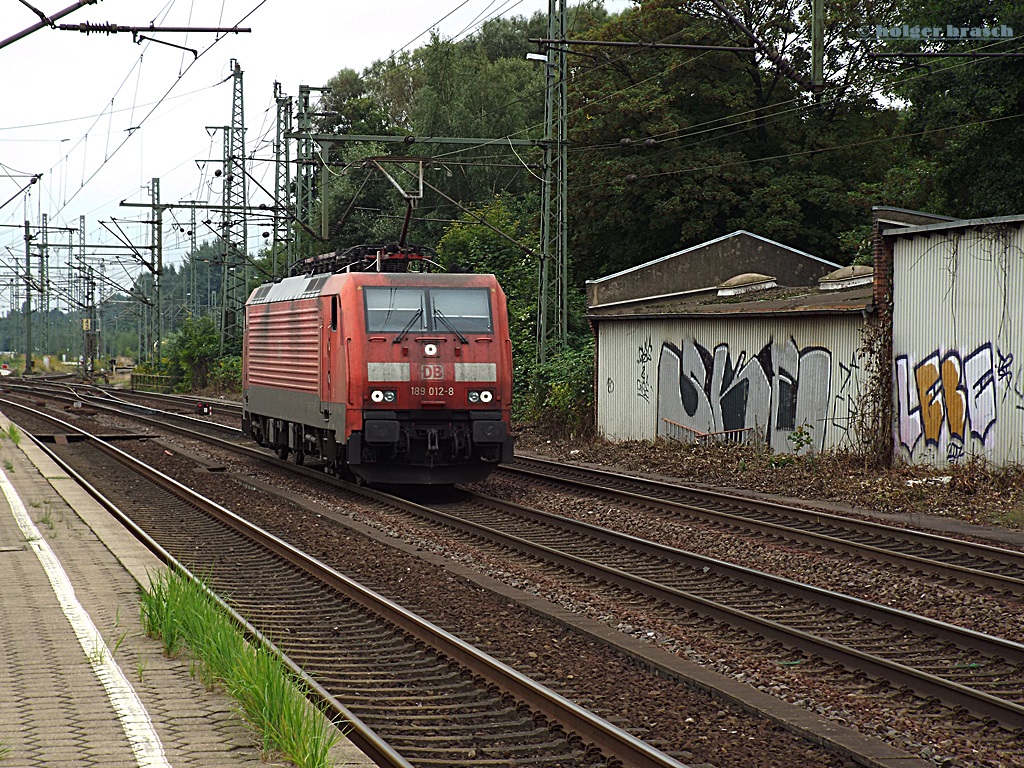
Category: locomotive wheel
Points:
column 282, row 452
column 298, row 457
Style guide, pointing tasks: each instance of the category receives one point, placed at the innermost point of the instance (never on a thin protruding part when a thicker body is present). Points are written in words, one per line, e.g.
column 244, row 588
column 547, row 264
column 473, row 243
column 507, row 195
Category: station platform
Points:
column 80, row 683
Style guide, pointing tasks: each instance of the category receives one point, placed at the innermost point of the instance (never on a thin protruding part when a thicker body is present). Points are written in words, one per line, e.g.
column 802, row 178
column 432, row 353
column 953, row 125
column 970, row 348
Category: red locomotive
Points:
column 393, row 377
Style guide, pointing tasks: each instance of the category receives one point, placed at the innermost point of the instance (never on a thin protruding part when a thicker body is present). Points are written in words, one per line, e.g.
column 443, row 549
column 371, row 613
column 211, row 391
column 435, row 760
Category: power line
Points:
column 818, row 150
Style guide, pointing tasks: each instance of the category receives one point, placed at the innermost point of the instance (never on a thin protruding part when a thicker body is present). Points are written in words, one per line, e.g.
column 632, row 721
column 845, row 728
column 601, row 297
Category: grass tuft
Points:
column 182, row 615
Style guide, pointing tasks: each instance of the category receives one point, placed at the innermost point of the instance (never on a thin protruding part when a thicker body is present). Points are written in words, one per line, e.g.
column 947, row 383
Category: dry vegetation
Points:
column 970, row 491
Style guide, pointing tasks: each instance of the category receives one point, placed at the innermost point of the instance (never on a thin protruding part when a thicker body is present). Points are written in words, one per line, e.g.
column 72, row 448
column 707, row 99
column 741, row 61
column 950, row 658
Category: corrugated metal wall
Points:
column 958, row 346
column 789, row 382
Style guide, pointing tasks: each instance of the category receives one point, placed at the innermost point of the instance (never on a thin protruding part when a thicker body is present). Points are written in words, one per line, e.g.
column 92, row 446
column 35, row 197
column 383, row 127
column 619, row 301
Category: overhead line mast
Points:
column 552, row 304
column 235, row 198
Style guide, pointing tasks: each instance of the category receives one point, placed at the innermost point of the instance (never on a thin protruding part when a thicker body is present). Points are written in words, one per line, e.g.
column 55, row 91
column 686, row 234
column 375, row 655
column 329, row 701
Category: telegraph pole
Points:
column 306, row 173
column 193, row 281
column 78, row 283
column 44, row 277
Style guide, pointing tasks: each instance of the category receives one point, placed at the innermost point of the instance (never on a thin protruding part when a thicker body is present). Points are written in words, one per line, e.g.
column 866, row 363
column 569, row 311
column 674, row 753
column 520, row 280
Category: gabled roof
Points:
column 703, row 245
column 779, row 301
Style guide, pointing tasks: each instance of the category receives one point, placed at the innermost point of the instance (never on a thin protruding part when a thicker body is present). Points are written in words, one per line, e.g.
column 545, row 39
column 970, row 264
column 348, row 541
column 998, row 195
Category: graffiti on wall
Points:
column 951, row 398
column 644, row 358
column 772, row 393
column 846, row 403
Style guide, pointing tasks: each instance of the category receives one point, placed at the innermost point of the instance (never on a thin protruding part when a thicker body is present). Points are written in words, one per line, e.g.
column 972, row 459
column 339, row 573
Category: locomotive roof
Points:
column 308, row 286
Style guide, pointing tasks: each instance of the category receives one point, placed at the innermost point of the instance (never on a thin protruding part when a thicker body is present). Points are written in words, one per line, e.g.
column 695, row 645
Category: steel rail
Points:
column 951, row 693
column 360, row 734
column 603, row 480
column 612, row 740
column 137, row 412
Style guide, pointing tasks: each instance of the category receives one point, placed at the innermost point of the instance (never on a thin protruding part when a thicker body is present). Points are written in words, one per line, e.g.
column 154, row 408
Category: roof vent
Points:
column 852, row 276
column 745, row 283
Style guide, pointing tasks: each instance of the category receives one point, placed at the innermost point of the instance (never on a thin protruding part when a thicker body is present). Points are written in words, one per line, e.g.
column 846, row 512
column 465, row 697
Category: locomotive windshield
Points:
column 395, row 310
column 441, row 310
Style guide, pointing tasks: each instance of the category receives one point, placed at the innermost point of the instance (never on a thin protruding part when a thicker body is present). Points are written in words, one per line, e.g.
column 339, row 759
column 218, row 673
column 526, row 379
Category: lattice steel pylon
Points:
column 552, row 307
column 234, row 223
column 283, row 239
column 305, row 175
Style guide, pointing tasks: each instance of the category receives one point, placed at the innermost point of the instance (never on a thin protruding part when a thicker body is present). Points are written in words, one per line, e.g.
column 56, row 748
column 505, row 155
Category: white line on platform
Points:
column 145, row 743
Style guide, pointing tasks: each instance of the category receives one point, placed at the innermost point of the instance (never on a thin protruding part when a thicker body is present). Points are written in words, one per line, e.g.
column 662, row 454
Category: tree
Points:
column 671, row 148
column 348, row 106
column 964, row 118
column 470, row 245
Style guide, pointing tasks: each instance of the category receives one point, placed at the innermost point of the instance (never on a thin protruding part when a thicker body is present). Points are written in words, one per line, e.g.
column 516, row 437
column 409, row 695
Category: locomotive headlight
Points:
column 389, row 396
column 430, row 350
column 474, row 397
column 377, row 396
column 486, row 396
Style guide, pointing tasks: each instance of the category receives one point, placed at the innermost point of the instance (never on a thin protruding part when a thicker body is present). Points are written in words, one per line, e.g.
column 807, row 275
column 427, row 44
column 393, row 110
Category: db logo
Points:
column 432, row 372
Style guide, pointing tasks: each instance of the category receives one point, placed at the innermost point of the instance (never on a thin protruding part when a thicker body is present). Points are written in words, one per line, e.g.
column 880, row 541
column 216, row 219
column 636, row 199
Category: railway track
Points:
column 991, row 683
column 969, row 562
column 972, row 563
column 962, row 668
column 418, row 695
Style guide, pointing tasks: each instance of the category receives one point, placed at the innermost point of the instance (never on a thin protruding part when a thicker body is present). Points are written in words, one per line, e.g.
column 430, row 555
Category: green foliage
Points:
column 801, row 437
column 473, row 245
column 560, row 392
column 963, row 117
column 349, row 107
column 182, row 615
column 672, row 149
column 193, row 353
column 735, row 143
column 227, row 374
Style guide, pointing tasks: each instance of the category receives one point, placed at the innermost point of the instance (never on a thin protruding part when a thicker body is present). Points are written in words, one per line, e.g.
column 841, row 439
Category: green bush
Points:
column 559, row 393
column 192, row 357
column 193, row 353
column 227, row 375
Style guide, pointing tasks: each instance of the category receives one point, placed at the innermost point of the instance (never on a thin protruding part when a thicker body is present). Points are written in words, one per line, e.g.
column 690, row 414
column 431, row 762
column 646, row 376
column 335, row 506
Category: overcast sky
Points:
column 100, row 115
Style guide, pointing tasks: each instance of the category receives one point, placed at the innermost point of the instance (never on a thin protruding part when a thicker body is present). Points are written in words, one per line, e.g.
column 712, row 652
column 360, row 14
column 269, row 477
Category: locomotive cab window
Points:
column 393, row 310
column 464, row 309
column 438, row 310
